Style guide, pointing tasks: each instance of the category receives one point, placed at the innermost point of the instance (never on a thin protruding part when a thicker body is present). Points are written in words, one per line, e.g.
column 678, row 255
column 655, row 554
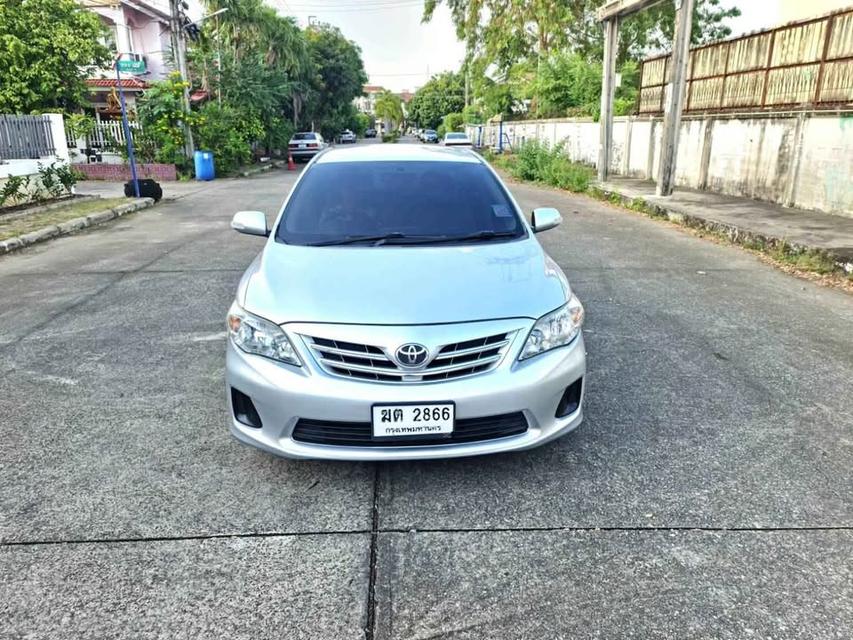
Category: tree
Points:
column 389, row 108
column 506, row 31
column 443, row 94
column 338, row 79
column 47, row 50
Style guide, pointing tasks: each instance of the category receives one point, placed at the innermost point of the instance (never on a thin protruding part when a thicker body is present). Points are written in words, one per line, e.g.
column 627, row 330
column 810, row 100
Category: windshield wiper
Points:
column 357, row 239
column 397, row 237
column 479, row 235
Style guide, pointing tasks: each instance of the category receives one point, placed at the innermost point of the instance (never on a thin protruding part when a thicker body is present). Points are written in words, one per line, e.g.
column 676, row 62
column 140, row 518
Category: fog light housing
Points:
column 244, row 410
column 571, row 399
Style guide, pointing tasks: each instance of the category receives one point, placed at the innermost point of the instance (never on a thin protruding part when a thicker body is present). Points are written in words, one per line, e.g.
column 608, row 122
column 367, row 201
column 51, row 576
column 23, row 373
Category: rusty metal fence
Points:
column 25, row 137
column 803, row 64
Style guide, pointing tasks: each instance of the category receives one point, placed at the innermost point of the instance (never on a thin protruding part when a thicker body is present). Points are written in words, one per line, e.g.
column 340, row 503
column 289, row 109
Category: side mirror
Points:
column 545, row 218
column 253, row 223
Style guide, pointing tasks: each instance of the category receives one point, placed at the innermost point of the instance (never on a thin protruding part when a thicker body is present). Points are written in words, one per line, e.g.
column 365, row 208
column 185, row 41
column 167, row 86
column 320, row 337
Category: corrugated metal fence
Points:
column 25, row 137
column 808, row 63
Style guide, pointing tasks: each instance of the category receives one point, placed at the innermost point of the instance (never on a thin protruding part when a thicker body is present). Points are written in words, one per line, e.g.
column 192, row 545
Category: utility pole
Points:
column 608, row 91
column 179, row 52
column 675, row 100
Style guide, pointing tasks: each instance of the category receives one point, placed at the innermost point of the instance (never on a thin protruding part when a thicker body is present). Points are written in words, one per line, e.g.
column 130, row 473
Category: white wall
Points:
column 15, row 167
column 799, row 160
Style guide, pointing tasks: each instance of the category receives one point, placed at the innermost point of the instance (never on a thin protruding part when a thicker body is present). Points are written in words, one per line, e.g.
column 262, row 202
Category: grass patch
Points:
column 804, row 260
column 20, row 226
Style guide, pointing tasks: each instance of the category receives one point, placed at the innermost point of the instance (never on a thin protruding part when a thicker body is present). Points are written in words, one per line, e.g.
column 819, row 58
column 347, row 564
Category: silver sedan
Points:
column 402, row 308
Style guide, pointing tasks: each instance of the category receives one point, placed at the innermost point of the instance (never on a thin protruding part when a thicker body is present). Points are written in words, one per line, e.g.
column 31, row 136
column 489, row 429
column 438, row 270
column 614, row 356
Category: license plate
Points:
column 302, row 146
column 413, row 420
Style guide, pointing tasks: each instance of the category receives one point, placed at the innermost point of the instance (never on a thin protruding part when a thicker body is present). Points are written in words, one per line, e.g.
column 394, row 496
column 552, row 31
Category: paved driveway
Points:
column 708, row 494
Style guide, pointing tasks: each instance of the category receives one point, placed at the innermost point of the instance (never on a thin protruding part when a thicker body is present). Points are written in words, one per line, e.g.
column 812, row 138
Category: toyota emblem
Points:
column 412, row 355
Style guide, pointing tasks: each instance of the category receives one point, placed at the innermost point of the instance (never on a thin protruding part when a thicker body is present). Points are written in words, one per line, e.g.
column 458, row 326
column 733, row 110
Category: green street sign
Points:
column 131, row 66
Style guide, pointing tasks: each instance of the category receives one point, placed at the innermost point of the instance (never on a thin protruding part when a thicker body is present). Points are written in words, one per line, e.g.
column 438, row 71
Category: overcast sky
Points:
column 401, row 53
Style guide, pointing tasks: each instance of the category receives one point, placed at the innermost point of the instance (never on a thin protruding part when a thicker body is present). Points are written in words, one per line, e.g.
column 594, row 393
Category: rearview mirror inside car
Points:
column 545, row 218
column 253, row 223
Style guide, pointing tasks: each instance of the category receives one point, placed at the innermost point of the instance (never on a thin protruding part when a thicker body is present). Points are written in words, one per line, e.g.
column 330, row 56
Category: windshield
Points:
column 456, row 136
column 429, row 131
column 398, row 203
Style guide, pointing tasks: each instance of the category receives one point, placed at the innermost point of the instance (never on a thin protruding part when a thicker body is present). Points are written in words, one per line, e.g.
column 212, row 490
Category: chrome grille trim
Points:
column 448, row 362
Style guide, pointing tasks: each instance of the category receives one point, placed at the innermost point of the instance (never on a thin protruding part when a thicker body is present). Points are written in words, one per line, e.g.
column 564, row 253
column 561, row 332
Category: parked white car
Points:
column 454, row 139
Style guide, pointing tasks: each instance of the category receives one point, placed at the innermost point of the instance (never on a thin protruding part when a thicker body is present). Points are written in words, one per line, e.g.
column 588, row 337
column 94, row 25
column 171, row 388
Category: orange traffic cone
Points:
column 291, row 165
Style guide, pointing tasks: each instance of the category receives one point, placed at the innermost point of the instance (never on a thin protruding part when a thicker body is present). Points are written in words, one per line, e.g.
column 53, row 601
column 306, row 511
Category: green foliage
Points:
column 162, row 115
column 47, row 49
column 390, row 108
column 568, row 85
column 512, row 40
column 338, row 80
column 443, row 94
column 453, row 122
column 393, row 137
column 360, row 124
column 223, row 130
column 537, row 162
column 472, row 114
column 566, row 80
column 276, row 75
column 12, row 190
column 52, row 181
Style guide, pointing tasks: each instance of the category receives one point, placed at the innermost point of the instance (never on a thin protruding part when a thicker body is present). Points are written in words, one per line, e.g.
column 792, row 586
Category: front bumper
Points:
column 282, row 394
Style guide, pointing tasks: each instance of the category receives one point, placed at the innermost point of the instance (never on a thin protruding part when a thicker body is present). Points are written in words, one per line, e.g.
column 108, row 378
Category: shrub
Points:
column 453, row 122
column 538, row 162
column 225, row 132
column 12, row 190
column 162, row 115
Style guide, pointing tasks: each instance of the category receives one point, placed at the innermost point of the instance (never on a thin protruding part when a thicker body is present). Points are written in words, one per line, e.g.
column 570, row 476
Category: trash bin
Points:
column 203, row 165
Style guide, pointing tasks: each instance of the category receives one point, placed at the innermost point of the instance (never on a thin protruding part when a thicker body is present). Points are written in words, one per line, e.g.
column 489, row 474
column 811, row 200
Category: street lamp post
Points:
column 128, row 137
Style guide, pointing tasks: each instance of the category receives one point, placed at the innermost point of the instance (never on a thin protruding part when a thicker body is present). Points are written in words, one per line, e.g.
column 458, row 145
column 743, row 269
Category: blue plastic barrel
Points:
column 204, row 165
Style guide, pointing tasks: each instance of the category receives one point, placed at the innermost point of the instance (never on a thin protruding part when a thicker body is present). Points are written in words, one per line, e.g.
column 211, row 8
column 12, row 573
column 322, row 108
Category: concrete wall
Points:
column 800, row 160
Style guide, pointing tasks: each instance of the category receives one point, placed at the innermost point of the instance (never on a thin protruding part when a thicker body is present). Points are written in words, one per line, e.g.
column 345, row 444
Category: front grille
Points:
column 359, row 434
column 369, row 362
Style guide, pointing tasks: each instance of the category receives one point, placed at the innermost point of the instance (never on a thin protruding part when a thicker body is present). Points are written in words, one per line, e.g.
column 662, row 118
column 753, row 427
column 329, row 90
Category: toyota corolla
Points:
column 402, row 308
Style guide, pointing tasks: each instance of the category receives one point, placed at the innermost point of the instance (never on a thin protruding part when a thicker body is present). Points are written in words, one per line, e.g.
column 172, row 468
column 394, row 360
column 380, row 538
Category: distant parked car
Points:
column 347, row 137
column 305, row 145
column 453, row 139
column 430, row 135
column 370, row 133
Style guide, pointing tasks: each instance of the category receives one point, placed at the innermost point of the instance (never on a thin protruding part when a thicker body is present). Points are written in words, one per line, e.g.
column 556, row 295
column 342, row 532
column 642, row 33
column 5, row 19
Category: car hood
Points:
column 403, row 285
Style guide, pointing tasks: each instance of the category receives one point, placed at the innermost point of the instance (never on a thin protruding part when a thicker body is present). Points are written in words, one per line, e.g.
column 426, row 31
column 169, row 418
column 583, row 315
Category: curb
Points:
column 73, row 225
column 276, row 164
column 735, row 234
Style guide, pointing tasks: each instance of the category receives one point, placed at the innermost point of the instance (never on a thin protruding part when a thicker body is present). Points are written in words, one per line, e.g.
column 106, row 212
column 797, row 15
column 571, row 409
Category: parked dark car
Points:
column 370, row 133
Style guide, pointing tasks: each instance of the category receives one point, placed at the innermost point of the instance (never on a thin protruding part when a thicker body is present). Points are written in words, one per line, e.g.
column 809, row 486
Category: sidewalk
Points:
column 746, row 221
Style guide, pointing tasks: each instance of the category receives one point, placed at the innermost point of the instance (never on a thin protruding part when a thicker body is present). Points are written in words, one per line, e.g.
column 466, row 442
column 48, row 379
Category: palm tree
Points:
column 389, row 108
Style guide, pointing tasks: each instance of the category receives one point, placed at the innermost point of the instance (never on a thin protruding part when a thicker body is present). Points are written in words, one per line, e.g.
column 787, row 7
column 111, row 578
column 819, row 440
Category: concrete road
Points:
column 709, row 493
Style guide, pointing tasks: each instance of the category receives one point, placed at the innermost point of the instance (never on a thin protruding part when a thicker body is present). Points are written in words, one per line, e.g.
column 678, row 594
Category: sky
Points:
column 400, row 53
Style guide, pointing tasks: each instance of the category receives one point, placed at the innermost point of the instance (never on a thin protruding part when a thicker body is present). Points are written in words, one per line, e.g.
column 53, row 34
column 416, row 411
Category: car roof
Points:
column 397, row 153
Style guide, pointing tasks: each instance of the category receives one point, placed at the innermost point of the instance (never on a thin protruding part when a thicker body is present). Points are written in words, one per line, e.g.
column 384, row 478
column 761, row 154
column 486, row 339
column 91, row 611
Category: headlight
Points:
column 554, row 330
column 261, row 337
